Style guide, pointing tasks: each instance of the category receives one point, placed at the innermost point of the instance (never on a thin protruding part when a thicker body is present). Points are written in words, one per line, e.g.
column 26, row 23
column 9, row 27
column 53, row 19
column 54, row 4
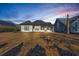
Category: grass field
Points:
column 38, row 44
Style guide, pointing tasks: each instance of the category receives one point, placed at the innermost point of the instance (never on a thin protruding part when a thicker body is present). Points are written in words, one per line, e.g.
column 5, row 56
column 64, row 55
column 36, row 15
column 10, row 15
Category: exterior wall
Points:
column 75, row 27
column 41, row 30
column 35, row 29
column 30, row 28
column 38, row 29
column 59, row 27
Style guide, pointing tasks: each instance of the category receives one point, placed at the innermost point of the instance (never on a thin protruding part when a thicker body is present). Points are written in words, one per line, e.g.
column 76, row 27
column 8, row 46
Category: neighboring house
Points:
column 74, row 24
column 61, row 26
column 36, row 26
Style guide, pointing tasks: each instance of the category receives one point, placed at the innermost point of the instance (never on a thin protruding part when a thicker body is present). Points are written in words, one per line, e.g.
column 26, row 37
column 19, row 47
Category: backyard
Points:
column 38, row 44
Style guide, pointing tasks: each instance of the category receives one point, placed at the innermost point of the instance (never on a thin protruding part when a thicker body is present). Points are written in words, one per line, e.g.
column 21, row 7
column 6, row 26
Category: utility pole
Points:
column 68, row 24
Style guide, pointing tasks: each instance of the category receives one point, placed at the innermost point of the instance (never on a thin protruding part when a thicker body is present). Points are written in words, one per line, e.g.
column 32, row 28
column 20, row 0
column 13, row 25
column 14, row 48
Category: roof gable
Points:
column 74, row 18
column 62, row 20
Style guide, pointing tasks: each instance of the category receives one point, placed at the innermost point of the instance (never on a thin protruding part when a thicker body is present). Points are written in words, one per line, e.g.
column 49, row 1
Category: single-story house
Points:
column 61, row 25
column 36, row 26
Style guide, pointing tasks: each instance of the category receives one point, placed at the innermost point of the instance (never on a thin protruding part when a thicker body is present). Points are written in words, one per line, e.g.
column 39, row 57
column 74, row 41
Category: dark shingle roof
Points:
column 74, row 18
column 26, row 23
column 37, row 22
column 63, row 20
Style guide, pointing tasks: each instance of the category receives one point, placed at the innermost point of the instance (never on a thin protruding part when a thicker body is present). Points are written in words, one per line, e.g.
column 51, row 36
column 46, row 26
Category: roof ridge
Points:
column 37, row 22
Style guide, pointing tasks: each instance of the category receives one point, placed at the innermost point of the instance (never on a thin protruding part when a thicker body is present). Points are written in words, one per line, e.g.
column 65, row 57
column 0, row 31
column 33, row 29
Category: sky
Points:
column 21, row 12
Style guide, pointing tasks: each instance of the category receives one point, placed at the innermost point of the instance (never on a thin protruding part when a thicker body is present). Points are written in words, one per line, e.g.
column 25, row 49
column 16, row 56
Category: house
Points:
column 74, row 24
column 36, row 26
column 61, row 25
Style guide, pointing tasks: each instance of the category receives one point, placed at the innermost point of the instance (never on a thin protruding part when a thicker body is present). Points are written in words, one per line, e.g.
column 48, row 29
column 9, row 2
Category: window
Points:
column 26, row 27
column 37, row 27
column 48, row 28
column 76, row 24
column 42, row 27
column 58, row 25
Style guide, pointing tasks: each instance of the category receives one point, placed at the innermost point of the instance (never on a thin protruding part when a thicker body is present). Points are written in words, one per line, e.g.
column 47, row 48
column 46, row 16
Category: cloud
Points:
column 71, row 13
column 8, row 14
column 47, row 9
column 50, row 11
column 47, row 12
column 52, row 17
